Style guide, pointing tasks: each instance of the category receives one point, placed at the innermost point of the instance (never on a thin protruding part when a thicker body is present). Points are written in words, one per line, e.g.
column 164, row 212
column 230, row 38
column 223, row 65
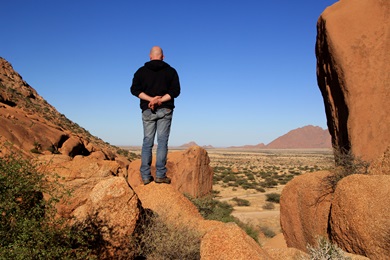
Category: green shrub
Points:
column 249, row 229
column 241, row 202
column 260, row 189
column 268, row 232
column 28, row 229
column 250, row 176
column 269, row 183
column 213, row 209
column 229, row 177
column 273, row 197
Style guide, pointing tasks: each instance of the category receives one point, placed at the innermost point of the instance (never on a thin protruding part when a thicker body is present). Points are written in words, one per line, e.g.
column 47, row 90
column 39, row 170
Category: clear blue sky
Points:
column 247, row 68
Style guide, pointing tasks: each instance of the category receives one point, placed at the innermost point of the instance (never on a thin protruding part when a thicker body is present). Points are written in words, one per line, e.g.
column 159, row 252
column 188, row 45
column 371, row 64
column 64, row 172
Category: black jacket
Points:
column 156, row 78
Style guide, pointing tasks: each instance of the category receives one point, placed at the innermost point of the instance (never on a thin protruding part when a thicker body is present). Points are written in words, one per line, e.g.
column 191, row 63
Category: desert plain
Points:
column 251, row 180
column 260, row 177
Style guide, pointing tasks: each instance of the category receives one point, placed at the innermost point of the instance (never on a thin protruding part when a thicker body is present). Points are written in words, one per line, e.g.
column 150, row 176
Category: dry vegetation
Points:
column 252, row 180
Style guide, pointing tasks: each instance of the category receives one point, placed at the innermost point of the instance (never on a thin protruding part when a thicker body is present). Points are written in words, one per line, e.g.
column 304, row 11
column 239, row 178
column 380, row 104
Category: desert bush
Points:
column 268, row 232
column 155, row 238
column 250, row 176
column 249, row 229
column 241, row 202
column 324, row 250
column 345, row 164
column 129, row 155
column 269, row 183
column 247, row 185
column 285, row 178
column 213, row 209
column 216, row 178
column 265, row 174
column 221, row 168
column 53, row 149
column 269, row 206
column 233, row 184
column 229, row 177
column 241, row 181
column 259, row 189
column 273, row 197
column 28, row 229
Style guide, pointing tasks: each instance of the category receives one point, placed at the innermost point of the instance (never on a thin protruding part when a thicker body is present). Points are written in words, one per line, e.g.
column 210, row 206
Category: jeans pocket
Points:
column 146, row 114
column 165, row 112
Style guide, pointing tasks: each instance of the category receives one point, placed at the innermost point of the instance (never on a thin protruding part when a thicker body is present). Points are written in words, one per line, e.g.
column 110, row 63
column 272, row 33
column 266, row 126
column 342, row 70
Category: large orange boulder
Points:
column 193, row 174
column 353, row 64
column 304, row 209
column 228, row 241
column 114, row 204
column 189, row 170
column 99, row 195
column 381, row 165
column 360, row 215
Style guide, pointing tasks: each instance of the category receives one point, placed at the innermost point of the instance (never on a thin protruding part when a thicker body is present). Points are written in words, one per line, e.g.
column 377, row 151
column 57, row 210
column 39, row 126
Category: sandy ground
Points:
column 254, row 214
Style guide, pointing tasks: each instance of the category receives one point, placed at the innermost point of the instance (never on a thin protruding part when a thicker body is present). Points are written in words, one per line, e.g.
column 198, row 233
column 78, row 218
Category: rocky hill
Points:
column 31, row 125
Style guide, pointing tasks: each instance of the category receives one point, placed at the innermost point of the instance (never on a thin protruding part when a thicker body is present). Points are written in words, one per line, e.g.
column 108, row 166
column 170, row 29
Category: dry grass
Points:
column 157, row 238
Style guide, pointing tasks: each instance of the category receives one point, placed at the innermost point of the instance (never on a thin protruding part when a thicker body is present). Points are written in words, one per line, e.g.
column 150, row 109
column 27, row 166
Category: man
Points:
column 156, row 84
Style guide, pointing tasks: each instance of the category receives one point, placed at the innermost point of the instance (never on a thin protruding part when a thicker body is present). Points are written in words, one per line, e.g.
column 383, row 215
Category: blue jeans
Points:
column 160, row 122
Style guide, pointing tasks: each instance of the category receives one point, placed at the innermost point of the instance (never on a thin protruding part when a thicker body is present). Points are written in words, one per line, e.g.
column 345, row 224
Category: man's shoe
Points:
column 147, row 181
column 163, row 180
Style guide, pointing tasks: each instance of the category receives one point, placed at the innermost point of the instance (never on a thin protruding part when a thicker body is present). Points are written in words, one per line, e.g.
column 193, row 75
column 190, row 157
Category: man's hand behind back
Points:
column 156, row 101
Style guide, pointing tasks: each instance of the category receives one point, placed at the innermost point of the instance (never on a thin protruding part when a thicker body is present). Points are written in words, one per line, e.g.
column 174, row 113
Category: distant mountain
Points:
column 257, row 146
column 304, row 137
column 192, row 143
column 301, row 138
column 187, row 145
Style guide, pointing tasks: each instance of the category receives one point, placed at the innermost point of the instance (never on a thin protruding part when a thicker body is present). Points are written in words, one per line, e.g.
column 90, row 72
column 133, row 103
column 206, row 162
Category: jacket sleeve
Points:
column 174, row 88
column 136, row 86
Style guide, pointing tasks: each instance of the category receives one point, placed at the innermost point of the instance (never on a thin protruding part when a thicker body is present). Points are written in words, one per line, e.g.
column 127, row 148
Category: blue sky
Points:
column 247, row 68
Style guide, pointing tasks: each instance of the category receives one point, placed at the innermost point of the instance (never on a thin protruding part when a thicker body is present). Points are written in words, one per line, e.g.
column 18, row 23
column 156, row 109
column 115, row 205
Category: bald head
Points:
column 156, row 53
